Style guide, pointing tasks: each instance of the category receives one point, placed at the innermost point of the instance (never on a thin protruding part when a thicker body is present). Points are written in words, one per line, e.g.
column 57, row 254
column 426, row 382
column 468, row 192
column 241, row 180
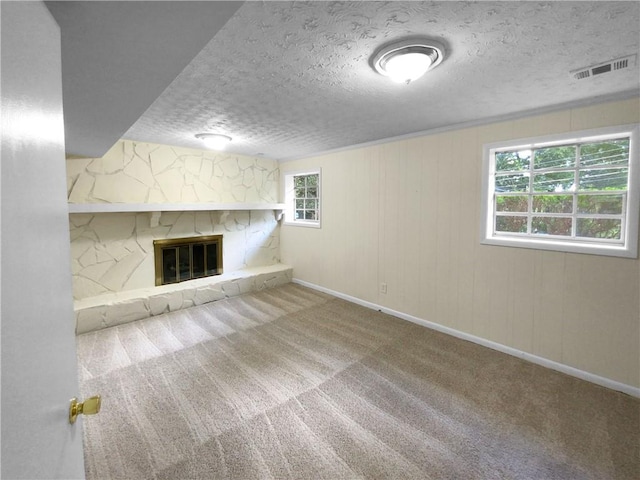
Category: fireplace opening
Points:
column 181, row 259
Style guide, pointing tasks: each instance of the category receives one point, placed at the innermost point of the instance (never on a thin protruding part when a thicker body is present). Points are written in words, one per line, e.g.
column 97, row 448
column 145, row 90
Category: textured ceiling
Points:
column 290, row 79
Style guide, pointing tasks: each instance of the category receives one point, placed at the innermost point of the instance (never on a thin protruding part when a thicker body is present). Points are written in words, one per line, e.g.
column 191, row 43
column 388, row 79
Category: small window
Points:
column 577, row 192
column 302, row 198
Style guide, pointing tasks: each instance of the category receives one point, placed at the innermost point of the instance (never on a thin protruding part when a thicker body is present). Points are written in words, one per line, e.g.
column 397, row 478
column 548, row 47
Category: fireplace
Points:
column 181, row 259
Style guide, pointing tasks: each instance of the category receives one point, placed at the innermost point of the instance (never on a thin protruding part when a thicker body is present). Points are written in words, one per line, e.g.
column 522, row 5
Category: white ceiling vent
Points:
column 607, row 67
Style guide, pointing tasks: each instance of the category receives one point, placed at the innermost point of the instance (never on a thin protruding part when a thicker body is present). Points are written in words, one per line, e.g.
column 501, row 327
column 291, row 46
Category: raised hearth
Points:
column 112, row 309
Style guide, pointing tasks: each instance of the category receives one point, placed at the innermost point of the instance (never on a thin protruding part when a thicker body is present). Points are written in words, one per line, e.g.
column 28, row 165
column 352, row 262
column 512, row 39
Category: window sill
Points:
column 559, row 246
column 302, row 224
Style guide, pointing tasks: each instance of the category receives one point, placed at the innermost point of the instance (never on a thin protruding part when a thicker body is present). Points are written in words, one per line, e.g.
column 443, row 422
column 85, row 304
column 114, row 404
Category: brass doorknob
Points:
column 90, row 406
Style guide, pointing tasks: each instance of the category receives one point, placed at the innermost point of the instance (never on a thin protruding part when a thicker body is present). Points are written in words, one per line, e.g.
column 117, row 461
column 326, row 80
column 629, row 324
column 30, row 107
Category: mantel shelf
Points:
column 155, row 210
column 169, row 207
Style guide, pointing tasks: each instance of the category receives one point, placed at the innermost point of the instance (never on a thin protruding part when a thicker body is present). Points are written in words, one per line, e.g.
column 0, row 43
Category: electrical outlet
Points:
column 383, row 287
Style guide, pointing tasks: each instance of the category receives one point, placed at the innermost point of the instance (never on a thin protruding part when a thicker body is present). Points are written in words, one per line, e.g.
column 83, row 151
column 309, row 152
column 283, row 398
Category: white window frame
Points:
column 288, row 196
column 626, row 247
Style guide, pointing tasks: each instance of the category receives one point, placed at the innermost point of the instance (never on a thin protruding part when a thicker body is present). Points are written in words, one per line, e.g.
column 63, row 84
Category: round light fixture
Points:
column 407, row 60
column 214, row 141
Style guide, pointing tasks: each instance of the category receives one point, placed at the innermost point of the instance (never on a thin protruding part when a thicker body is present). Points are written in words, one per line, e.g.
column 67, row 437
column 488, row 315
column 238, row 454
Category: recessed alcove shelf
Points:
column 155, row 209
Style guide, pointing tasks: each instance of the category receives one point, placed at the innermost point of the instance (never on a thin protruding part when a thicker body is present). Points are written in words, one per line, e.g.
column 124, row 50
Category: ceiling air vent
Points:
column 610, row 66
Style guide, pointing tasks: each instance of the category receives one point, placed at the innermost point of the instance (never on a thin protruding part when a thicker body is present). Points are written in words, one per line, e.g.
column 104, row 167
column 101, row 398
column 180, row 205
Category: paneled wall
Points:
column 113, row 252
column 407, row 213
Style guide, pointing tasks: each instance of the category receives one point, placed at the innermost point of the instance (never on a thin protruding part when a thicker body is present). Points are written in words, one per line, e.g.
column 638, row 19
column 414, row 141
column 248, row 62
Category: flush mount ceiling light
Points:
column 407, row 60
column 214, row 141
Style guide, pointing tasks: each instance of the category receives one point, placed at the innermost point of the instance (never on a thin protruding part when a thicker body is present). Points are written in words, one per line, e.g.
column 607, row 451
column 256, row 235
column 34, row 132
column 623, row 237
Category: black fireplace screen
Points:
column 181, row 259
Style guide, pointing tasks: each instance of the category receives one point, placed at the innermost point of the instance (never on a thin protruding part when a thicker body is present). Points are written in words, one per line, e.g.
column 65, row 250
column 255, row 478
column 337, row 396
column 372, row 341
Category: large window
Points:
column 302, row 198
column 576, row 192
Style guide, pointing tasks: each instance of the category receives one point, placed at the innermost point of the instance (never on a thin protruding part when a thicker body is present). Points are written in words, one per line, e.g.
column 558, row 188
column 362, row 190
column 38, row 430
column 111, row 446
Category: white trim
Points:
column 560, row 367
column 301, row 223
column 628, row 248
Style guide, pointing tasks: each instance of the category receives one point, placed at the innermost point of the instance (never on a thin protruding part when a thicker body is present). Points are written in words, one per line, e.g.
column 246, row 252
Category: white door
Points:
column 38, row 354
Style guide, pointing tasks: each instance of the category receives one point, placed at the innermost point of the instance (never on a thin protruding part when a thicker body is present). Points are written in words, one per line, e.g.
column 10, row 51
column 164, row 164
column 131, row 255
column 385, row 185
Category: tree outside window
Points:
column 578, row 191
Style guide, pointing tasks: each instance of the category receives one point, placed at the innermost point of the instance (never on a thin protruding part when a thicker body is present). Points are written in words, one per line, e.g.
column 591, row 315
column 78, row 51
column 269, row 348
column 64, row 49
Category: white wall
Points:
column 407, row 213
column 113, row 252
column 136, row 172
column 38, row 341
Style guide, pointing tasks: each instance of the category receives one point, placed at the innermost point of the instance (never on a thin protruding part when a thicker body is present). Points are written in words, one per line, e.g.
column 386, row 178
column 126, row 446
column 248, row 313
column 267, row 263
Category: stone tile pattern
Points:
column 113, row 252
column 135, row 172
column 116, row 309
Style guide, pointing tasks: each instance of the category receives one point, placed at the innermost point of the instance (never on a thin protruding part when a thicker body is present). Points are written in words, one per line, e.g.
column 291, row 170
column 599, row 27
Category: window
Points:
column 302, row 198
column 576, row 192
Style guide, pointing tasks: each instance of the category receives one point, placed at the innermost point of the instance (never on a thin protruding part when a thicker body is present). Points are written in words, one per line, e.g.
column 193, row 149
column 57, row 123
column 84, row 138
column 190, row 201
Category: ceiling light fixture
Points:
column 214, row 141
column 407, row 60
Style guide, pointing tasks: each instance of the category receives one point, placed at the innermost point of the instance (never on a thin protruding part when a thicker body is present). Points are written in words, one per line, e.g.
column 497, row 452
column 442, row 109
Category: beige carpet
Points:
column 292, row 383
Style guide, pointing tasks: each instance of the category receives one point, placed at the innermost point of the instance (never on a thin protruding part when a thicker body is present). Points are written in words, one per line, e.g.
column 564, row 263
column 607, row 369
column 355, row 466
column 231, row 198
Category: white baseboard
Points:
column 560, row 367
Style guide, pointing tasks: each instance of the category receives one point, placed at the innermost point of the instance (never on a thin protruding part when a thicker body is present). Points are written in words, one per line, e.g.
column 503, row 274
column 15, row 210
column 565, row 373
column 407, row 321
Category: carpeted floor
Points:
column 292, row 383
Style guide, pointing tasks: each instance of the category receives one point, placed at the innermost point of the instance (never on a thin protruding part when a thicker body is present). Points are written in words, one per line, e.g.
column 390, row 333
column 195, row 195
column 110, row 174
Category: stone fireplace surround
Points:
column 141, row 192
